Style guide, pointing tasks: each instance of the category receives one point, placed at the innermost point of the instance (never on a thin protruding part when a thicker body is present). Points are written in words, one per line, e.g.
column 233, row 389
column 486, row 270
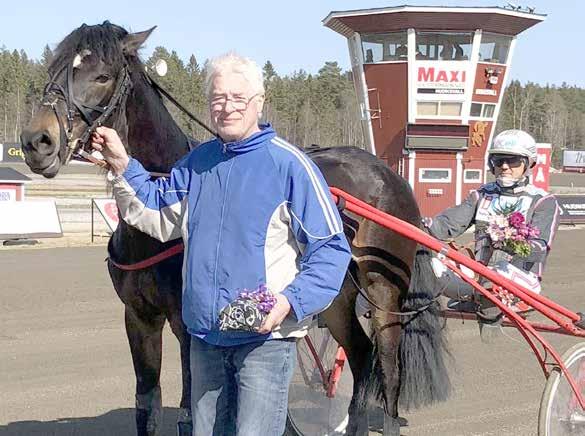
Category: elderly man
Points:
column 254, row 212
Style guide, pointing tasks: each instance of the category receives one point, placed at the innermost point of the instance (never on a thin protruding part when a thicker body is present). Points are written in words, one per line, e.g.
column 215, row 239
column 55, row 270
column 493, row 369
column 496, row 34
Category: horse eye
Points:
column 102, row 78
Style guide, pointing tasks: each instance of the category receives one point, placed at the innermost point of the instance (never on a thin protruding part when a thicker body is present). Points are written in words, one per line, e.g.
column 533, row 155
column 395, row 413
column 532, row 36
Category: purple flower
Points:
column 512, row 232
column 516, row 219
column 264, row 299
column 522, row 230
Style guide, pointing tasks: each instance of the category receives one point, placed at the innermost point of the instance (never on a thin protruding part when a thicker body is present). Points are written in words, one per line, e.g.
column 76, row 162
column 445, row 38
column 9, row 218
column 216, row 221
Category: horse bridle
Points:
column 123, row 85
column 54, row 92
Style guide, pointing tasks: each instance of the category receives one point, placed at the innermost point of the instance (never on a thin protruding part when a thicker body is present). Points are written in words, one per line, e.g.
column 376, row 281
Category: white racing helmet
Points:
column 515, row 142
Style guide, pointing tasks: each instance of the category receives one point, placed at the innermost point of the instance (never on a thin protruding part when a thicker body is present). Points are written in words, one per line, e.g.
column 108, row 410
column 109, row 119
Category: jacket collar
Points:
column 252, row 142
column 516, row 188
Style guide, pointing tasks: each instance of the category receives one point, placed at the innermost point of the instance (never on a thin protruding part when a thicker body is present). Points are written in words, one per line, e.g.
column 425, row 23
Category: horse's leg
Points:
column 342, row 321
column 387, row 331
column 168, row 279
column 145, row 338
column 184, row 421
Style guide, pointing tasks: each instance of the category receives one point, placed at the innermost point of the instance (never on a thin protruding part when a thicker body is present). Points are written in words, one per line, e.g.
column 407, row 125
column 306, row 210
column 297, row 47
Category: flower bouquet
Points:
column 248, row 311
column 509, row 231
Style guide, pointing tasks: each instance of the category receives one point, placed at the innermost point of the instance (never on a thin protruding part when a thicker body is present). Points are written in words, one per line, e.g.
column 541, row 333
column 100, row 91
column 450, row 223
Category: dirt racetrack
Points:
column 65, row 366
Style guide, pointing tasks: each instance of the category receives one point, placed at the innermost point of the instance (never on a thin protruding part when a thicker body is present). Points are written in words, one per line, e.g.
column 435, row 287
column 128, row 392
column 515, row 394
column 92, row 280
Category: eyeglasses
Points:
column 240, row 104
column 512, row 161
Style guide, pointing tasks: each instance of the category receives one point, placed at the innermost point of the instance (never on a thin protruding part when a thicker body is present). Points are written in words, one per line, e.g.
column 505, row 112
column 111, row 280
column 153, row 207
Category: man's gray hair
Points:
column 234, row 63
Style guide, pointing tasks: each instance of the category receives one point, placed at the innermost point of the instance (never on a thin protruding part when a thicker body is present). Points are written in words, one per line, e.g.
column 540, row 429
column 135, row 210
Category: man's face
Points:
column 234, row 107
column 508, row 166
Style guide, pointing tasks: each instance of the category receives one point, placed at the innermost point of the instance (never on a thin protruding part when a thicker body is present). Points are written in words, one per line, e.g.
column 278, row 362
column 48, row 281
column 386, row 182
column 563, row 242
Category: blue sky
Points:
column 288, row 33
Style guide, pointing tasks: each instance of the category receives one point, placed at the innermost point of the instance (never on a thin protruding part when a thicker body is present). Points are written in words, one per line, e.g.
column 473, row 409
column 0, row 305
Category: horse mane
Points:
column 102, row 39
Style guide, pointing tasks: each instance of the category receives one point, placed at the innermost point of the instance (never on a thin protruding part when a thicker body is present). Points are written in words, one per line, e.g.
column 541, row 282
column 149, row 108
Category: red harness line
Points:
column 146, row 263
column 151, row 261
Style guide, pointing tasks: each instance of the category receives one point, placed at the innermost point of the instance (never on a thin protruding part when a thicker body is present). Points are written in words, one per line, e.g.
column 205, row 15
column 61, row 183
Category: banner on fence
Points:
column 11, row 152
column 572, row 208
column 29, row 219
column 540, row 171
column 574, row 160
column 108, row 210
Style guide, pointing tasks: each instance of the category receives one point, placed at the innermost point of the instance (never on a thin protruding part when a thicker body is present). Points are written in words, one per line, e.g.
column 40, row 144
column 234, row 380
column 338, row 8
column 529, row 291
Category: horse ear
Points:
column 133, row 41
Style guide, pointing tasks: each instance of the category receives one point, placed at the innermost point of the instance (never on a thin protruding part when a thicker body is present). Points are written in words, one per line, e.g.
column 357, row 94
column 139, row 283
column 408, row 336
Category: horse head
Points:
column 89, row 81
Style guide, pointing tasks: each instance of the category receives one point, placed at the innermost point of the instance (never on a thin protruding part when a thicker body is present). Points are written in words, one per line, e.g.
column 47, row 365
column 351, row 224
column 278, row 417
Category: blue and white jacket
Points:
column 252, row 212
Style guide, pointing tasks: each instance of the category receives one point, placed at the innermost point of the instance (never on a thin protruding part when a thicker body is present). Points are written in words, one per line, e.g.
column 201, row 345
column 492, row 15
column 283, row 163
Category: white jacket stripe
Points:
column 334, row 225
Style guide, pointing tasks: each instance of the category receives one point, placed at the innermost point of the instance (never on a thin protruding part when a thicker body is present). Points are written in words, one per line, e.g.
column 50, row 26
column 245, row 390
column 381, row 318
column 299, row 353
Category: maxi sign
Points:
column 441, row 77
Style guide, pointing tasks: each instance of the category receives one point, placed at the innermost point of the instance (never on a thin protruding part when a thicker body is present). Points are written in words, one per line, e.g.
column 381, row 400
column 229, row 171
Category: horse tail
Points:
column 423, row 347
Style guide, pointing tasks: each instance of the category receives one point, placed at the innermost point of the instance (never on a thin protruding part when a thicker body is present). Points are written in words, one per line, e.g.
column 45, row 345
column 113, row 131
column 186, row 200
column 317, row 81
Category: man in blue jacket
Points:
column 252, row 210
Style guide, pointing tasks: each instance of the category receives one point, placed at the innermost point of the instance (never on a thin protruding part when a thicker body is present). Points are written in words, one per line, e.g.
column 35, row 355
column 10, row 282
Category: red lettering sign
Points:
column 432, row 75
column 426, row 74
column 540, row 171
column 442, row 76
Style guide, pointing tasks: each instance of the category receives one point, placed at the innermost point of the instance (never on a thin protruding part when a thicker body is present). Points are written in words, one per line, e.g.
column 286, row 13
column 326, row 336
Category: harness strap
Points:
column 57, row 92
column 172, row 99
column 151, row 261
column 122, row 88
column 401, row 314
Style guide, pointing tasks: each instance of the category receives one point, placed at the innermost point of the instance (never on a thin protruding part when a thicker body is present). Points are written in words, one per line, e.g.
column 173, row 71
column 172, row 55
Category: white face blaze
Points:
column 78, row 59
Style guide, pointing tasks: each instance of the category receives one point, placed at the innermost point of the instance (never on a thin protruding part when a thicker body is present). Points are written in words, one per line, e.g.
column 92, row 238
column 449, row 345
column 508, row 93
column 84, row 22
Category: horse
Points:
column 84, row 76
column 96, row 77
column 402, row 357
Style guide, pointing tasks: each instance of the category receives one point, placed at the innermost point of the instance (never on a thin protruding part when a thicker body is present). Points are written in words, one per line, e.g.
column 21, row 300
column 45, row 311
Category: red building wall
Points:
column 433, row 197
column 392, row 101
column 389, row 113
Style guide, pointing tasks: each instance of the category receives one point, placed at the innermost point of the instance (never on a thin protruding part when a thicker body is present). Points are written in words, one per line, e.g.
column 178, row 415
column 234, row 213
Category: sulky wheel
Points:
column 310, row 411
column 560, row 412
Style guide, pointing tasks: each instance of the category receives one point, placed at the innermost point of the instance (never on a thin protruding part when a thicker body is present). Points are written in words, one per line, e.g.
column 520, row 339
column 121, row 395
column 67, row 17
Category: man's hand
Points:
column 109, row 144
column 278, row 313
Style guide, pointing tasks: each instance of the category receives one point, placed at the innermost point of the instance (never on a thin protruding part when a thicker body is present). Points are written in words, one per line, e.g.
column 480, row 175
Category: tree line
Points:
column 552, row 114
column 304, row 108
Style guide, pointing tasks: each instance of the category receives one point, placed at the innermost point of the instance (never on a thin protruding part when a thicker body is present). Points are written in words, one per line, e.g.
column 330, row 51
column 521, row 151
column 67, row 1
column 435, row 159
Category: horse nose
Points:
column 37, row 141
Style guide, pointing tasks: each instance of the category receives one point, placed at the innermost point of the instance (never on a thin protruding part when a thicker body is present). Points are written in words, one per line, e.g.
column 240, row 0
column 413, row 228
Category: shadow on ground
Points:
column 118, row 422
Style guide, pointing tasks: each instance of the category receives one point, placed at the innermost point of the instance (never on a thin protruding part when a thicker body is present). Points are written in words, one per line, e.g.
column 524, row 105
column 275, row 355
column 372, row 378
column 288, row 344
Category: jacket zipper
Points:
column 215, row 288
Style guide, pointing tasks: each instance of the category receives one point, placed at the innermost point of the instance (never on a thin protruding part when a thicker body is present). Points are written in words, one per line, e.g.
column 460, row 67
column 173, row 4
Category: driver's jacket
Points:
column 539, row 208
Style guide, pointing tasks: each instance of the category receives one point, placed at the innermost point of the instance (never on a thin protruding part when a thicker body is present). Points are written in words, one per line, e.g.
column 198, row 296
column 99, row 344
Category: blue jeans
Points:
column 241, row 390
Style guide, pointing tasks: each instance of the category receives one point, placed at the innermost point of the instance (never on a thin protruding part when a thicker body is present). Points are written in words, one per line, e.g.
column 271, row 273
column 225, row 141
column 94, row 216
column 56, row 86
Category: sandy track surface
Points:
column 65, row 366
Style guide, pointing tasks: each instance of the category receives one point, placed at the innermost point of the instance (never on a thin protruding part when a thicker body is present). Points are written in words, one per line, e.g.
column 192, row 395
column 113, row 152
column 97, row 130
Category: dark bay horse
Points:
column 405, row 356
column 96, row 73
column 84, row 73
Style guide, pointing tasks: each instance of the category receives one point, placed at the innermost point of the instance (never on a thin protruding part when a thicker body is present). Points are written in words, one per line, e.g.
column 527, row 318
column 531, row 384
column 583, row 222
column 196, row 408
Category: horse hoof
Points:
column 141, row 421
column 359, row 426
column 184, row 429
column 391, row 426
column 143, row 426
column 149, row 412
column 147, row 423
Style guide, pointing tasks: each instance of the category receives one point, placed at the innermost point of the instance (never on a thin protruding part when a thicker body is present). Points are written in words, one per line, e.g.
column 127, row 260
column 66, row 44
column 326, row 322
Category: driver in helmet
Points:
column 510, row 157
